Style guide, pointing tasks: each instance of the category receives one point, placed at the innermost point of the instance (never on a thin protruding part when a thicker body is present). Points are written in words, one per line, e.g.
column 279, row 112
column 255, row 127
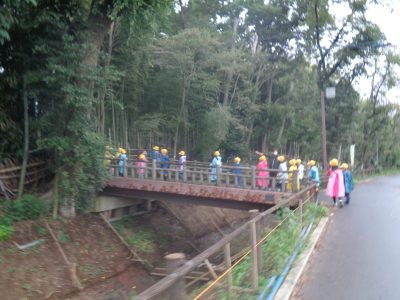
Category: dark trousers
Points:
column 347, row 198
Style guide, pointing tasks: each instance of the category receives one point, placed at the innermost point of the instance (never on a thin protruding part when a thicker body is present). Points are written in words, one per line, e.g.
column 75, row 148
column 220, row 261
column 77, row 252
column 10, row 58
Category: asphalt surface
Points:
column 358, row 256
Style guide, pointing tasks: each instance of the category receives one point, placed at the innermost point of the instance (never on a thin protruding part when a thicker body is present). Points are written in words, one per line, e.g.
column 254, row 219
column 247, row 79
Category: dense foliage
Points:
column 29, row 207
column 199, row 75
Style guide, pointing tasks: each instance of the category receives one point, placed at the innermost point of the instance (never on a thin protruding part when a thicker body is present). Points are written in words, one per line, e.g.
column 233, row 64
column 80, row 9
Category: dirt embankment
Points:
column 104, row 266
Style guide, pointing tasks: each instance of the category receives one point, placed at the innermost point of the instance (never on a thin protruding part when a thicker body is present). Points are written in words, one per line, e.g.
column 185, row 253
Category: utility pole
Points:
column 323, row 128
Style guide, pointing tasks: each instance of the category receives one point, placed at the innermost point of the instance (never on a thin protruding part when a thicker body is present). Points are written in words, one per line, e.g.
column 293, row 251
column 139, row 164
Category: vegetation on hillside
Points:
column 198, row 75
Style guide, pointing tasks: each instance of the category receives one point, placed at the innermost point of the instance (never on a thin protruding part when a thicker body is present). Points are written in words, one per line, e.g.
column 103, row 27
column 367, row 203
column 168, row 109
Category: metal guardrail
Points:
column 202, row 174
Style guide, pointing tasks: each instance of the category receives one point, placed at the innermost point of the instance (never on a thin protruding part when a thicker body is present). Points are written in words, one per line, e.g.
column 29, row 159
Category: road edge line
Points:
column 295, row 273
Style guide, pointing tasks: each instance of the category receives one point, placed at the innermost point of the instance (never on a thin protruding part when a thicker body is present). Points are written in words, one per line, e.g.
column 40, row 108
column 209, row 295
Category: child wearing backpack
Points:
column 348, row 181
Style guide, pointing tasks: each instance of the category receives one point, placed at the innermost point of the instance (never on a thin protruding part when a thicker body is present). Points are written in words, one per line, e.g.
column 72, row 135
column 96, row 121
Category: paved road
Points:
column 359, row 254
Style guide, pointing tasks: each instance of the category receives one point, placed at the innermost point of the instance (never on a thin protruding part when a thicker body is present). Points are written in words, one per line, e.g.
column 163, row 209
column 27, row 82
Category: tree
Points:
column 336, row 44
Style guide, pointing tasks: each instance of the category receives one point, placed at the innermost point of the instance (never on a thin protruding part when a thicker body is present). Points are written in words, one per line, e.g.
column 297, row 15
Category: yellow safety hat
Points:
column 311, row 163
column 181, row 153
column 164, row 151
column 344, row 166
column 334, row 162
column 236, row 159
column 298, row 161
column 156, row 148
column 142, row 156
column 216, row 153
column 262, row 158
column 292, row 162
column 122, row 151
column 281, row 158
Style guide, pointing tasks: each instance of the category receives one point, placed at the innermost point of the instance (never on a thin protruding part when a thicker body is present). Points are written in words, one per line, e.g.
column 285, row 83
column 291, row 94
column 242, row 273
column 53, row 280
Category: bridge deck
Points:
column 210, row 195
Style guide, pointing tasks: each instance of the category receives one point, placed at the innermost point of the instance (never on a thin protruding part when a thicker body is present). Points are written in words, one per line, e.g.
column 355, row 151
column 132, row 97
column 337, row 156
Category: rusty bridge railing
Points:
column 204, row 174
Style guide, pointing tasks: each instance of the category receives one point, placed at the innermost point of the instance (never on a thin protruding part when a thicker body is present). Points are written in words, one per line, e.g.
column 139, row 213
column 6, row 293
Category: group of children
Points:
column 160, row 156
column 284, row 176
column 340, row 182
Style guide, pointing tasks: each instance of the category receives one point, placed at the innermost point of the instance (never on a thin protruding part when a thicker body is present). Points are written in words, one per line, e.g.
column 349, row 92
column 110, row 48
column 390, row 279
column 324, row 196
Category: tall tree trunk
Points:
column 229, row 75
column 126, row 130
column 104, row 90
column 278, row 140
column 114, row 131
column 26, row 139
column 264, row 143
column 183, row 100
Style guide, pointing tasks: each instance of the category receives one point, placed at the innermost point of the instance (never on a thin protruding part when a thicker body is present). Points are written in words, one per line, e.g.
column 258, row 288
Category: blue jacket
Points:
column 164, row 161
column 348, row 181
column 237, row 171
column 156, row 155
column 313, row 175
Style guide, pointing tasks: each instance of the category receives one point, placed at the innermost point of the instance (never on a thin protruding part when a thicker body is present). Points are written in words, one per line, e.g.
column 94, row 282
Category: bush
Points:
column 29, row 207
column 5, row 232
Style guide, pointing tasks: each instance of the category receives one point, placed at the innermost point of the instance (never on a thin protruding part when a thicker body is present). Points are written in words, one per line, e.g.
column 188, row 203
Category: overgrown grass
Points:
column 29, row 207
column 141, row 238
column 5, row 232
column 276, row 250
column 385, row 172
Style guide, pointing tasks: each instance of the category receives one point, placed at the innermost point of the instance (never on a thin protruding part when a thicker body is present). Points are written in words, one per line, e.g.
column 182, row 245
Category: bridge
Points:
column 193, row 185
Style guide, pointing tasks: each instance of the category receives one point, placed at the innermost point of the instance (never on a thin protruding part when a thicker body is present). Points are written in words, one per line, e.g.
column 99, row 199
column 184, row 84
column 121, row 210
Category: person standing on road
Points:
column 262, row 173
column 216, row 162
column 348, row 181
column 335, row 187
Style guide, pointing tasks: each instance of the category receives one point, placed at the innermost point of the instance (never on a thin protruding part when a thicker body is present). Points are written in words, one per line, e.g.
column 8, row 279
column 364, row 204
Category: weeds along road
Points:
column 359, row 255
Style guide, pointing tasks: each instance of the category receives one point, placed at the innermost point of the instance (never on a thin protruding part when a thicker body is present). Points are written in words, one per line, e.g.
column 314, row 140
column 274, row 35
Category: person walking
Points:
column 313, row 177
column 122, row 160
column 293, row 182
column 156, row 153
column 238, row 172
column 216, row 162
column 335, row 188
column 300, row 171
column 348, row 181
column 282, row 175
column 313, row 173
column 164, row 162
column 273, row 164
column 181, row 163
column 262, row 173
column 141, row 165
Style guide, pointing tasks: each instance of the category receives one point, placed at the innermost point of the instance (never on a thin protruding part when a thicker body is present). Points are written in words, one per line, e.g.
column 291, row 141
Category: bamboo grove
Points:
column 197, row 75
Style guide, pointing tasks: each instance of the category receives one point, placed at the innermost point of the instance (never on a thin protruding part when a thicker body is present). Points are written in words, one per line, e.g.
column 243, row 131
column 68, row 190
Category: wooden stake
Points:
column 177, row 290
column 254, row 269
column 228, row 262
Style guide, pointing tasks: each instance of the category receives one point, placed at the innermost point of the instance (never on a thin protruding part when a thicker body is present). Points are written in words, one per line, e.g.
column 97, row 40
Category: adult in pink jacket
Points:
column 335, row 187
column 262, row 173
